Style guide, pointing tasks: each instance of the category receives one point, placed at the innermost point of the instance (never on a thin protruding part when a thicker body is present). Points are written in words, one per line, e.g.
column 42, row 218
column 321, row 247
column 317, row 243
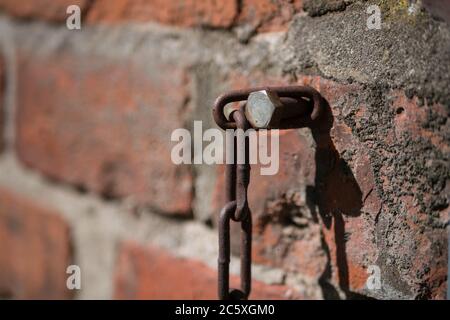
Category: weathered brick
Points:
column 413, row 118
column 104, row 126
column 152, row 273
column 268, row 15
column 211, row 13
column 422, row 127
column 260, row 15
column 35, row 250
column 50, row 10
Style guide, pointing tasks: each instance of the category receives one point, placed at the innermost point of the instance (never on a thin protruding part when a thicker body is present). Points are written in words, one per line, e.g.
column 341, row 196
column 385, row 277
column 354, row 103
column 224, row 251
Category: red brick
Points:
column 50, row 10
column 35, row 250
column 410, row 117
column 104, row 126
column 269, row 15
column 152, row 273
column 186, row 13
column 429, row 252
column 261, row 15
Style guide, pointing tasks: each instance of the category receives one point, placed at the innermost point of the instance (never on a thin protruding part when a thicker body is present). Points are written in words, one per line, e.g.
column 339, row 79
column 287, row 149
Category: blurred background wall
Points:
column 85, row 171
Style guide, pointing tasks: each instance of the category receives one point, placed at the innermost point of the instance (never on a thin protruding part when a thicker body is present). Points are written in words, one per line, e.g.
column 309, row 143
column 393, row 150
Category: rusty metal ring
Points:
column 298, row 92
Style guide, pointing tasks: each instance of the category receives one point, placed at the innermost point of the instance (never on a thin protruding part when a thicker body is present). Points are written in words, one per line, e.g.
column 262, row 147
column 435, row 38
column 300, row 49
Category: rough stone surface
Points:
column 411, row 52
column 35, row 250
column 321, row 7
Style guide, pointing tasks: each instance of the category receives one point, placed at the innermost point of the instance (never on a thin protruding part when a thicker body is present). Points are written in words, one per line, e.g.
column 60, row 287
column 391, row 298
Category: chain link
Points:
column 236, row 209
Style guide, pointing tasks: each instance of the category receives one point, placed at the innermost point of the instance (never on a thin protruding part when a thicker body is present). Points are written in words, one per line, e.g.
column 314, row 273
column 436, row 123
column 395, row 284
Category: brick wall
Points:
column 85, row 172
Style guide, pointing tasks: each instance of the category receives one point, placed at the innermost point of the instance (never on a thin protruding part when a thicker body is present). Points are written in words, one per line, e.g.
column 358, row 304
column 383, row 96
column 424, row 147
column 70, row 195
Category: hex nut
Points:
column 261, row 107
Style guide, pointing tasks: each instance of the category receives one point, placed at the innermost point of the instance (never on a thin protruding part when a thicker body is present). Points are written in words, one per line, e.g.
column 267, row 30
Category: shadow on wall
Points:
column 336, row 193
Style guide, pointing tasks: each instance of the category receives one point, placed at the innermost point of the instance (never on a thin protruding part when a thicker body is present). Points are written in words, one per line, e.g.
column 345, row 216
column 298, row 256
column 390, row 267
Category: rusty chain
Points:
column 300, row 107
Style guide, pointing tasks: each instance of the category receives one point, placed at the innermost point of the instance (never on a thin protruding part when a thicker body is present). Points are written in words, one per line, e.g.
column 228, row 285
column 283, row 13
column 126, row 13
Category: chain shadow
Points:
column 335, row 194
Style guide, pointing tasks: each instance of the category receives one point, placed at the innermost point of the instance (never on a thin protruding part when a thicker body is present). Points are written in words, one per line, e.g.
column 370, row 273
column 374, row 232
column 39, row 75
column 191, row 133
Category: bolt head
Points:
column 260, row 108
